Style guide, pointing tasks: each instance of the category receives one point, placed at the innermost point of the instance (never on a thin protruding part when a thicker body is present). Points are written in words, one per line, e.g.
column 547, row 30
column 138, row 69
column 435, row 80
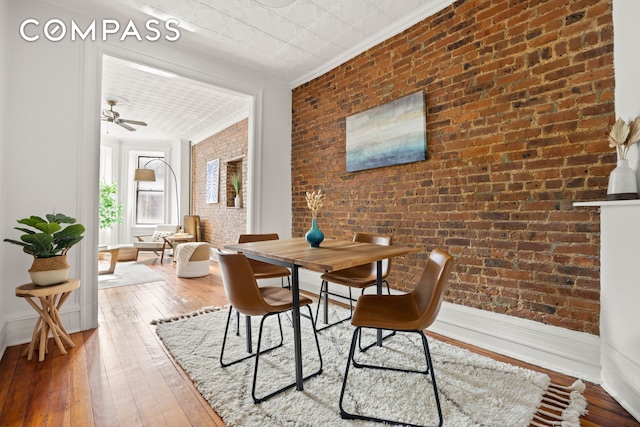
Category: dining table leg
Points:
column 379, row 290
column 297, row 337
column 247, row 327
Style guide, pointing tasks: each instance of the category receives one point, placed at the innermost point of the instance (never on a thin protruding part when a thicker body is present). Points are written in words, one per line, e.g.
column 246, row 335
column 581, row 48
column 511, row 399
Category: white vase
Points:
column 622, row 182
column 237, row 202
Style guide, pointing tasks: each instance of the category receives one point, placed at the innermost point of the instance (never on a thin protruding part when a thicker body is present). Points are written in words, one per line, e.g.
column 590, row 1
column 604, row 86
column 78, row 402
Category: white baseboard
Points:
column 3, row 338
column 19, row 328
column 621, row 379
column 551, row 347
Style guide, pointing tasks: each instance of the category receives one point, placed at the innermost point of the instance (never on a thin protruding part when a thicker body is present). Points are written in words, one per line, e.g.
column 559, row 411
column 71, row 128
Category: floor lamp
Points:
column 145, row 174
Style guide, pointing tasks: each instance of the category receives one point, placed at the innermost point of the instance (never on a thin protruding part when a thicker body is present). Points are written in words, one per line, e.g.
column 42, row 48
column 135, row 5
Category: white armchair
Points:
column 155, row 242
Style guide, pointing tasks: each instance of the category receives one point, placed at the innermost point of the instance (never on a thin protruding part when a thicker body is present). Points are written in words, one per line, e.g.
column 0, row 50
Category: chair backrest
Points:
column 192, row 226
column 430, row 290
column 262, row 266
column 376, row 240
column 202, row 252
column 244, row 238
column 167, row 227
column 163, row 230
column 192, row 251
column 240, row 285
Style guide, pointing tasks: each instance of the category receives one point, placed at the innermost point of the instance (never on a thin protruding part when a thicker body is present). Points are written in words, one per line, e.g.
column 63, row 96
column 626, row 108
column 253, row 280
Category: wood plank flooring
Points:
column 120, row 374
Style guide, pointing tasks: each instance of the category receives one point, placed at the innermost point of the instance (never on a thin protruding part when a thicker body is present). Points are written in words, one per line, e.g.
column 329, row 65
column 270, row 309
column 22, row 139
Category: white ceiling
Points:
column 173, row 107
column 295, row 43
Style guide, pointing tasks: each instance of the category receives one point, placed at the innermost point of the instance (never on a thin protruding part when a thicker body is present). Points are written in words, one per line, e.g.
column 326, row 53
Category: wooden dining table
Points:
column 332, row 255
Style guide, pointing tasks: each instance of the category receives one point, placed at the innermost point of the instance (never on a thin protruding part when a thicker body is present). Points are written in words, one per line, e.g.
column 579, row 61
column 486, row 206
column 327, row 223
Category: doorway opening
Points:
column 149, row 113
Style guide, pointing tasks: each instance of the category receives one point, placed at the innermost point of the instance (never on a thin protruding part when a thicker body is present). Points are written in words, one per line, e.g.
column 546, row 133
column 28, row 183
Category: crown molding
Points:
column 428, row 10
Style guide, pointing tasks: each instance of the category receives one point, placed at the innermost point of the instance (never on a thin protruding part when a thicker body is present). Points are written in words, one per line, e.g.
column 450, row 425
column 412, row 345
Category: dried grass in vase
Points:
column 314, row 202
column 623, row 136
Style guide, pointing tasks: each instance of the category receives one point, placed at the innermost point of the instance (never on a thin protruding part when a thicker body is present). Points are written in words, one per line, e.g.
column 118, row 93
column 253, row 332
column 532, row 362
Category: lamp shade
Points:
column 144, row 175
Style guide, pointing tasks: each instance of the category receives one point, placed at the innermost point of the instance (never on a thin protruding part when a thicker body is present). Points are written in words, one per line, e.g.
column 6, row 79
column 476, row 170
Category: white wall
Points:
column 620, row 231
column 627, row 68
column 274, row 201
column 53, row 158
column 4, row 60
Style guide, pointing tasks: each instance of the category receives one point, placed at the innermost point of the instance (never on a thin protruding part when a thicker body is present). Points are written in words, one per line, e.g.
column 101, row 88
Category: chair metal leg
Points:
column 324, row 290
column 287, row 387
column 346, row 415
column 224, row 342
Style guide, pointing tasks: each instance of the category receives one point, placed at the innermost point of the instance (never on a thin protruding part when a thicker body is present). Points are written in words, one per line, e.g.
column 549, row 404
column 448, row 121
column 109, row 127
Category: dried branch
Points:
column 314, row 202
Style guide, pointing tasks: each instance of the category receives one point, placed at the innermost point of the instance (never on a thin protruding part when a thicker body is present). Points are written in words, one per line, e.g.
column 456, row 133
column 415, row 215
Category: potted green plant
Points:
column 110, row 211
column 236, row 181
column 48, row 241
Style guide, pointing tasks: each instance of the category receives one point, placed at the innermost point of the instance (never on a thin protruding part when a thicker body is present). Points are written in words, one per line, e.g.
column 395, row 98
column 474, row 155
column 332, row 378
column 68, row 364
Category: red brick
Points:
column 220, row 224
column 519, row 104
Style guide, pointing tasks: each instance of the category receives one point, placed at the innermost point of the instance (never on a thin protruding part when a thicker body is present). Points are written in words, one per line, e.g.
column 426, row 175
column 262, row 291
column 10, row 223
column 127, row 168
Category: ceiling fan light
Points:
column 275, row 3
column 144, row 175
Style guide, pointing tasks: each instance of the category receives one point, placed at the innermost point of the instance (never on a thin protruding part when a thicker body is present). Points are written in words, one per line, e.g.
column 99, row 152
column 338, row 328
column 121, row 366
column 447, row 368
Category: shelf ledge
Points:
column 634, row 202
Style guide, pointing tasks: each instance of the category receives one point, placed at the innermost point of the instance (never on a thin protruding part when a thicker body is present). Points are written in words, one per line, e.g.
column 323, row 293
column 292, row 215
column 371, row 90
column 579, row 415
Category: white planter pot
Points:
column 237, row 201
column 48, row 278
column 622, row 182
column 49, row 271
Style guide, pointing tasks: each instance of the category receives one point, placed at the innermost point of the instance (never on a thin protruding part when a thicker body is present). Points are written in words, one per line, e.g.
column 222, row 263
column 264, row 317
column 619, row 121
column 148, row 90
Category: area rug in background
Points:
column 128, row 273
column 474, row 390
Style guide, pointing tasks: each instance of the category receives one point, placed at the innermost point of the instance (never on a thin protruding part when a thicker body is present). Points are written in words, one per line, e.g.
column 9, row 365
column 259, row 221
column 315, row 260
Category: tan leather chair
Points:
column 192, row 227
column 412, row 312
column 264, row 270
column 361, row 277
column 246, row 297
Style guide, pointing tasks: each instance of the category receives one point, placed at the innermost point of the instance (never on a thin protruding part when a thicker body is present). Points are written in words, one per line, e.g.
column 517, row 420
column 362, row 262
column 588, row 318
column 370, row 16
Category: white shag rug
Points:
column 474, row 390
column 128, row 273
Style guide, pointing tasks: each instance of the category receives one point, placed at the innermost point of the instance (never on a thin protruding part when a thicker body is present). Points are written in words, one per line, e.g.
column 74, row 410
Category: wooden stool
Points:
column 51, row 299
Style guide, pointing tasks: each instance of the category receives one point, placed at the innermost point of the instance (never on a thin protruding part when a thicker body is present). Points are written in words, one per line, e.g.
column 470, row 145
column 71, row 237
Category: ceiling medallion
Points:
column 275, row 3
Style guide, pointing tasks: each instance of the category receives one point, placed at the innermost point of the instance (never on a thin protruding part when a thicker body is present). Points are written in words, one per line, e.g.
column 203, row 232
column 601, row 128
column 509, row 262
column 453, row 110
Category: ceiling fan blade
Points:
column 108, row 114
column 134, row 122
column 124, row 125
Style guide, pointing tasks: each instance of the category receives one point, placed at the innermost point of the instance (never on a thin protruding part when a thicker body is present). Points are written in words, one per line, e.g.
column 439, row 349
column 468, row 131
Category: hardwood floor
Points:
column 120, row 374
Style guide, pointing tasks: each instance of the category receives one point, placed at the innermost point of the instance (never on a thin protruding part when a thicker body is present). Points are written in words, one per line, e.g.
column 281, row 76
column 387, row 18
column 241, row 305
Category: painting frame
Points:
column 390, row 134
column 213, row 182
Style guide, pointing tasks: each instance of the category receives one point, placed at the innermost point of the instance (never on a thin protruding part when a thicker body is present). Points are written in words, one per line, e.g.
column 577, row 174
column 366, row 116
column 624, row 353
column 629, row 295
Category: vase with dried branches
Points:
column 236, row 181
column 622, row 181
column 314, row 202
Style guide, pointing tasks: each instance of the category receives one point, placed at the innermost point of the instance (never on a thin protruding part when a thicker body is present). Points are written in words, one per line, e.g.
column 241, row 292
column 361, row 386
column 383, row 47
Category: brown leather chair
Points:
column 264, row 270
column 246, row 297
column 412, row 312
column 361, row 277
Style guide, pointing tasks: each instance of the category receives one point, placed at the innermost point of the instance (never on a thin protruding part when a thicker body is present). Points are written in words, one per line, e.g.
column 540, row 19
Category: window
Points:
column 150, row 194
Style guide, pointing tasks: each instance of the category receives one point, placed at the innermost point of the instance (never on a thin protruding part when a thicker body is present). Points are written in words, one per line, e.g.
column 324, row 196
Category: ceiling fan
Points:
column 114, row 117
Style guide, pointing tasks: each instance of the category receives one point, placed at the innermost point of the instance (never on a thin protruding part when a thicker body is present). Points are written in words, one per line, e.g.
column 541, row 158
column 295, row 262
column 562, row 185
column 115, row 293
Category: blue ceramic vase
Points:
column 314, row 236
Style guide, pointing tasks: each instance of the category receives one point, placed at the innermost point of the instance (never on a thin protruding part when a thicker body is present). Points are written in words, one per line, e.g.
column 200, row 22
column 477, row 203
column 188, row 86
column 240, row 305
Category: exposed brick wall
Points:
column 520, row 97
column 221, row 224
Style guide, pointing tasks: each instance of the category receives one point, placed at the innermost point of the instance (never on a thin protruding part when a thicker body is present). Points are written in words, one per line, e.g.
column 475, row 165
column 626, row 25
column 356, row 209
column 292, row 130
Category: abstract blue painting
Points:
column 391, row 134
column 213, row 177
